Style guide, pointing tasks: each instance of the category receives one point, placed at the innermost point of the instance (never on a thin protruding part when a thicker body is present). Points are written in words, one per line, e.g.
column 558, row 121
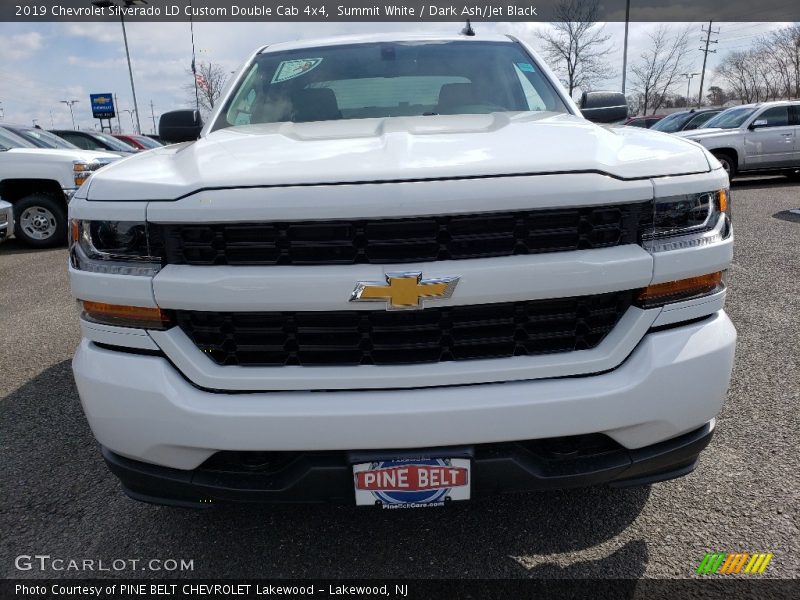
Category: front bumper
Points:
column 140, row 407
column 328, row 476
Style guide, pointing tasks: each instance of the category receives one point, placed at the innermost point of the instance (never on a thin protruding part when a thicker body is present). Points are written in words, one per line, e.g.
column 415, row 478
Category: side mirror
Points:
column 759, row 123
column 604, row 107
column 180, row 126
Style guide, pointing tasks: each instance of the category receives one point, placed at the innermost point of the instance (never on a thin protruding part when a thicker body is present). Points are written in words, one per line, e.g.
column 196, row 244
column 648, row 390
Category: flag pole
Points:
column 194, row 67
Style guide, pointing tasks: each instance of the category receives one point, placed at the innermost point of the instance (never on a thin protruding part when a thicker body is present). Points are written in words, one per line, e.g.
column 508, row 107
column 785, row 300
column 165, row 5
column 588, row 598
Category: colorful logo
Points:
column 725, row 563
column 423, row 481
column 406, row 290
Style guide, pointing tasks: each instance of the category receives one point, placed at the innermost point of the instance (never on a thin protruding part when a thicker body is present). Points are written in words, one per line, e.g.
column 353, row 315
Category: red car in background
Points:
column 142, row 142
column 645, row 121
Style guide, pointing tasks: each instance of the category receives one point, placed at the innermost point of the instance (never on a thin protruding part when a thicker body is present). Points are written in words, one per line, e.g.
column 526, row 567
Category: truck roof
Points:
column 382, row 37
column 770, row 103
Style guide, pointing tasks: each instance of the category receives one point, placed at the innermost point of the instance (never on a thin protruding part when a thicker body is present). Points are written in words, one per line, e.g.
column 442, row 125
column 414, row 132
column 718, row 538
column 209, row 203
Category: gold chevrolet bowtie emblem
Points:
column 403, row 291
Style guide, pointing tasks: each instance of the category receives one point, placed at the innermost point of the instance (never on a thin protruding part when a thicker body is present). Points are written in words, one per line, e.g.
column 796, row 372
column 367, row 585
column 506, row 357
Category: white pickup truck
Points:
column 39, row 183
column 400, row 271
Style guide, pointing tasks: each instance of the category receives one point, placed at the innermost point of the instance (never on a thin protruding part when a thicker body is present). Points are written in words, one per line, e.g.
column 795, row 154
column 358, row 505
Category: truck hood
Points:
column 392, row 149
column 711, row 132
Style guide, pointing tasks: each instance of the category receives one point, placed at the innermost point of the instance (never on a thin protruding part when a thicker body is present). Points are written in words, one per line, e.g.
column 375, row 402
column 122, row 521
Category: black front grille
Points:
column 406, row 240
column 405, row 337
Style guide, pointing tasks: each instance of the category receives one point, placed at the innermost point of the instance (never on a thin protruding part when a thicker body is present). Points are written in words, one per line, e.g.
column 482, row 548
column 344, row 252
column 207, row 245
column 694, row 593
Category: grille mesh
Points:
column 405, row 337
column 406, row 240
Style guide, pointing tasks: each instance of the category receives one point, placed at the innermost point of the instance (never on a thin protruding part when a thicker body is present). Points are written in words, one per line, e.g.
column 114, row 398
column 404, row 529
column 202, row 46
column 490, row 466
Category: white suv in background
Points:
column 399, row 271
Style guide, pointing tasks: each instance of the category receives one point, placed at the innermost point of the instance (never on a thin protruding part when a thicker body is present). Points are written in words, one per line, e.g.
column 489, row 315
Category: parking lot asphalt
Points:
column 58, row 499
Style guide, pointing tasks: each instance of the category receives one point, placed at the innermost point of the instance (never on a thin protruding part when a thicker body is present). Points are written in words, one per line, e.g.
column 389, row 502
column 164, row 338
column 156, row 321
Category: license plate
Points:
column 412, row 483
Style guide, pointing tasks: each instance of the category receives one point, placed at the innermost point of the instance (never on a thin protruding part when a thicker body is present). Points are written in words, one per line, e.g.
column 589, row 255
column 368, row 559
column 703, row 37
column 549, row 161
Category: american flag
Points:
column 202, row 82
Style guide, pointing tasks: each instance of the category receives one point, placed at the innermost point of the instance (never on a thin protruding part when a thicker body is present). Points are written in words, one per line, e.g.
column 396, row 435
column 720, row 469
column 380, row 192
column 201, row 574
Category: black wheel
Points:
column 727, row 163
column 41, row 221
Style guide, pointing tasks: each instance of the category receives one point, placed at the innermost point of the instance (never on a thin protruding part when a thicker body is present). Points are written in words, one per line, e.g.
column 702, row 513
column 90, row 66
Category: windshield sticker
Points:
column 289, row 69
column 526, row 67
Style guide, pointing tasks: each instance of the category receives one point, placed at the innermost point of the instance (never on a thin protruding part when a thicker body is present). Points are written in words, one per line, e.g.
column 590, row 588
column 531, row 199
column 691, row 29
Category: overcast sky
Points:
column 41, row 64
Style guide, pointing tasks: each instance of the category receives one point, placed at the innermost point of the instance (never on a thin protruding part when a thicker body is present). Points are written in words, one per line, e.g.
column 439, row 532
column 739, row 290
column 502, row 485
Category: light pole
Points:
column 625, row 46
column 153, row 114
column 131, row 113
column 108, row 4
column 194, row 66
column 71, row 114
column 797, row 67
column 688, row 83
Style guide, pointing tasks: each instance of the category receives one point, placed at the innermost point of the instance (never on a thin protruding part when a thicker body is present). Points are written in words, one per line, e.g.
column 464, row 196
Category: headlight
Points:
column 114, row 247
column 83, row 169
column 689, row 220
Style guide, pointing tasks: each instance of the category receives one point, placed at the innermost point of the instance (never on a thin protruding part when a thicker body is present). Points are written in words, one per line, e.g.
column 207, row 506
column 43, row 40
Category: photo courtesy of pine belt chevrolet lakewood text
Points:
column 401, row 271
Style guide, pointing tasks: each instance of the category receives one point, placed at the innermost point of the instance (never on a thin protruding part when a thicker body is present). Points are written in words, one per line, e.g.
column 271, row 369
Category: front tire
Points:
column 41, row 221
column 728, row 164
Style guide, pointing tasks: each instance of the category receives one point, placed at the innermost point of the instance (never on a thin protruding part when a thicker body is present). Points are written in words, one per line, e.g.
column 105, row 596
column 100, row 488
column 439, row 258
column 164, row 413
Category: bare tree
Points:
column 782, row 48
column 716, row 96
column 742, row 73
column 769, row 69
column 577, row 46
column 211, row 79
column 776, row 73
column 770, row 73
column 658, row 69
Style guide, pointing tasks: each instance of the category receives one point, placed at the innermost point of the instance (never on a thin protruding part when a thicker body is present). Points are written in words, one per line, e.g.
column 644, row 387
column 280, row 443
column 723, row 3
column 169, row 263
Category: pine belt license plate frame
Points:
column 413, row 482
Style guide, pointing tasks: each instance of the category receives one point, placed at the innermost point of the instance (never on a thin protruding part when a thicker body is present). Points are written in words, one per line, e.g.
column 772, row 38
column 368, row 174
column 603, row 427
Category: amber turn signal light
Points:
column 74, row 230
column 683, row 289
column 126, row 316
column 723, row 201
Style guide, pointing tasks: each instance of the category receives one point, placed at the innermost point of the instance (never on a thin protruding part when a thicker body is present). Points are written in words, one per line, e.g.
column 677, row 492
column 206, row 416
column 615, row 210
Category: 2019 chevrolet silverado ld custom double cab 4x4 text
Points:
column 397, row 271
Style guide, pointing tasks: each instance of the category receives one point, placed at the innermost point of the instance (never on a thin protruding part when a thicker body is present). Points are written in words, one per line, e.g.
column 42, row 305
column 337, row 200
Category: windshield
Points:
column 671, row 123
column 113, row 143
column 11, row 140
column 731, row 118
column 362, row 81
column 44, row 139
